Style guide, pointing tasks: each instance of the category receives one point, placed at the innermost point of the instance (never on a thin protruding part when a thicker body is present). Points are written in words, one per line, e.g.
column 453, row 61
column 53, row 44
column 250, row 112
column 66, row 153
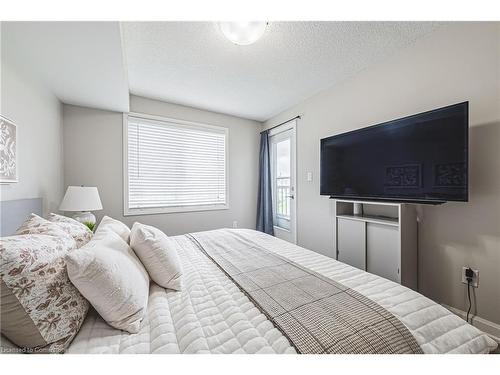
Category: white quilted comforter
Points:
column 211, row 315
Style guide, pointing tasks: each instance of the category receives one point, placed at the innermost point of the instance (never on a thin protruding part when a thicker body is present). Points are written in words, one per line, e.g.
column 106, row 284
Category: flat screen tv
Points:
column 421, row 158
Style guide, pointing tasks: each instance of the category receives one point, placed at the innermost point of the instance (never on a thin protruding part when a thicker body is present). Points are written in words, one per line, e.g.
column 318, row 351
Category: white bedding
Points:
column 211, row 315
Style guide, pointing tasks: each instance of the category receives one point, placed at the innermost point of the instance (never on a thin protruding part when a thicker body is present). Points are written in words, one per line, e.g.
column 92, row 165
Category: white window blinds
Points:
column 175, row 165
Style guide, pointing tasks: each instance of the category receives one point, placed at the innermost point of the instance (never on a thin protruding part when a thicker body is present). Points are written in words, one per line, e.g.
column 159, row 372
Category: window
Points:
column 282, row 187
column 173, row 166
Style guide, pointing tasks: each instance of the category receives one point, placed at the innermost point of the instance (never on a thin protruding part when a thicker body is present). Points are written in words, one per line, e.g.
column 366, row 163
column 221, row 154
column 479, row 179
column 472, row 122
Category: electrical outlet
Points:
column 475, row 277
column 235, row 224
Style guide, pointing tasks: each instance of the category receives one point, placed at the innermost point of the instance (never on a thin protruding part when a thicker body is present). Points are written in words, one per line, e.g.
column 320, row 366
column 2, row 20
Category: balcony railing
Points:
column 283, row 197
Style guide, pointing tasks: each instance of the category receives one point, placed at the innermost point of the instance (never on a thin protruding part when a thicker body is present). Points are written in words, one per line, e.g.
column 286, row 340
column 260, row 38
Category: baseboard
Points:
column 492, row 329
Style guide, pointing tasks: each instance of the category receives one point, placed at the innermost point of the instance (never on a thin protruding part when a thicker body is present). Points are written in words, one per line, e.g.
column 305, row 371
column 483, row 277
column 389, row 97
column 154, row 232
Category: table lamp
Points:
column 82, row 200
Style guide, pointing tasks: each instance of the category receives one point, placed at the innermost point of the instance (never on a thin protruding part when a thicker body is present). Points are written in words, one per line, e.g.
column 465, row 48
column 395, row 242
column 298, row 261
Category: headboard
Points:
column 13, row 213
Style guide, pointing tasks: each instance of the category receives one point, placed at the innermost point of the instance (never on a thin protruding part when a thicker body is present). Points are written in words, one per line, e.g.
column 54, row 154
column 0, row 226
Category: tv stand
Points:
column 378, row 237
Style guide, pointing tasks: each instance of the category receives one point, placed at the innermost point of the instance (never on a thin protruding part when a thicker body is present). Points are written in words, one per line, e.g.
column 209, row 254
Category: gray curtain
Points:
column 264, row 202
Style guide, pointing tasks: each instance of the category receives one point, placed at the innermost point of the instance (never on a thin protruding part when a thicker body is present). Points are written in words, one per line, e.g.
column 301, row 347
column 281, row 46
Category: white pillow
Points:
column 109, row 224
column 158, row 253
column 109, row 275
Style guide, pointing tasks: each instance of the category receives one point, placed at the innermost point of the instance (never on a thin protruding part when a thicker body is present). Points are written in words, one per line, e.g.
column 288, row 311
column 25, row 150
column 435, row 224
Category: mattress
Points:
column 211, row 314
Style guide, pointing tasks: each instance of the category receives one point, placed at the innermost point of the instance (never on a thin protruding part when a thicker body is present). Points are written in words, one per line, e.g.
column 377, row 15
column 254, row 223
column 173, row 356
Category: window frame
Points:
column 173, row 209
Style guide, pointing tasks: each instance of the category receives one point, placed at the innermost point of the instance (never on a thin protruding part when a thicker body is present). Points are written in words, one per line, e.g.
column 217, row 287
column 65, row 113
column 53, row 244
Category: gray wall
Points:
column 457, row 63
column 38, row 116
column 93, row 157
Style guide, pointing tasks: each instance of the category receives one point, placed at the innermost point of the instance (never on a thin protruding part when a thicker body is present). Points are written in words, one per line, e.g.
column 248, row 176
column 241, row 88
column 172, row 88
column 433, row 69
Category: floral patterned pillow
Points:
column 35, row 224
column 80, row 232
column 41, row 308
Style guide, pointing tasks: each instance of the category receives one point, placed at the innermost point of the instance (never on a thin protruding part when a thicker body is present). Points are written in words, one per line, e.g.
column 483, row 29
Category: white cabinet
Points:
column 351, row 242
column 380, row 238
column 382, row 251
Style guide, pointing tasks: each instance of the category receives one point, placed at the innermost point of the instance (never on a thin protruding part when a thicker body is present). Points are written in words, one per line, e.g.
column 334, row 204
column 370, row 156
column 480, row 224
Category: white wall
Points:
column 38, row 115
column 457, row 63
column 93, row 157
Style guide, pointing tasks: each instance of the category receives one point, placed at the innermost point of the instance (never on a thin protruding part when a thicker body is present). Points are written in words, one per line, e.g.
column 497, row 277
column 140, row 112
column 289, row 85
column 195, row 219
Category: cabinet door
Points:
column 351, row 242
column 382, row 251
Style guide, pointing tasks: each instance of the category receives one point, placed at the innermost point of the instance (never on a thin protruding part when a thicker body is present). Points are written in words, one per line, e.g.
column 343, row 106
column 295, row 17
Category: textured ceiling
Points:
column 80, row 62
column 191, row 63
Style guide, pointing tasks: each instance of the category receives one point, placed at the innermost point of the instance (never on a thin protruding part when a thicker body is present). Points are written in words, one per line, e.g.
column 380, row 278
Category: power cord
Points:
column 418, row 252
column 468, row 296
column 469, row 275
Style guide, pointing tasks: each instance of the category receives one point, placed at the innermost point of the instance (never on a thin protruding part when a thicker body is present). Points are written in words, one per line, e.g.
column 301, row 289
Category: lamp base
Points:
column 84, row 217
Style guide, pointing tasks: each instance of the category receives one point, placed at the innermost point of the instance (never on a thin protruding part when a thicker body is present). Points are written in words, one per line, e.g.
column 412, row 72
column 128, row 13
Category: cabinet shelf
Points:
column 372, row 219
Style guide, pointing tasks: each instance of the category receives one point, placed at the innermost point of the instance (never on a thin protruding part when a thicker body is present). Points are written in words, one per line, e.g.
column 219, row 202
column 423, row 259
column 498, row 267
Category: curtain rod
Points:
column 284, row 122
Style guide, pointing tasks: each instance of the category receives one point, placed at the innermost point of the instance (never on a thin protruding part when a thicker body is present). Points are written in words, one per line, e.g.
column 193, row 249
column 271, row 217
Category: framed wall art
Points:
column 8, row 151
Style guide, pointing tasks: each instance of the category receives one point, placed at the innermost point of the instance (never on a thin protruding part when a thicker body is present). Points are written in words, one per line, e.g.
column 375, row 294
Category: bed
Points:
column 213, row 315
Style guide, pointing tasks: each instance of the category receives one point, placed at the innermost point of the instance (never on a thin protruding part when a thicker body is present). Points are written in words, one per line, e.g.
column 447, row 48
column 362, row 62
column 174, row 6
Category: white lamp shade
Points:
column 81, row 198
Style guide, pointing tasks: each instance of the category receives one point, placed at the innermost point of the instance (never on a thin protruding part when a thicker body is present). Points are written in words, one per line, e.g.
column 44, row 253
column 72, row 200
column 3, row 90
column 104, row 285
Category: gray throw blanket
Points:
column 315, row 313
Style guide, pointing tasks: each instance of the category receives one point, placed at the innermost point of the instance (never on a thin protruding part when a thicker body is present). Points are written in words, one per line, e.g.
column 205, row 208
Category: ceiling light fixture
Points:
column 243, row 33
